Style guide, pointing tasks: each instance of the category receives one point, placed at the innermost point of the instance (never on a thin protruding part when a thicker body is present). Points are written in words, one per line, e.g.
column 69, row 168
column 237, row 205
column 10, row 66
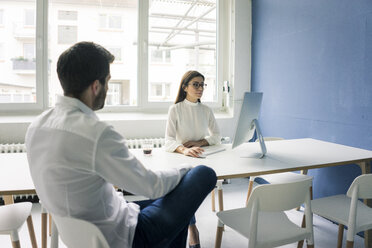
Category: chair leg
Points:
column 349, row 244
column 218, row 241
column 31, row 231
column 303, row 172
column 16, row 244
column 54, row 238
column 300, row 243
column 50, row 224
column 15, row 239
column 213, row 196
column 44, row 217
column 340, row 235
column 250, row 188
column 310, row 246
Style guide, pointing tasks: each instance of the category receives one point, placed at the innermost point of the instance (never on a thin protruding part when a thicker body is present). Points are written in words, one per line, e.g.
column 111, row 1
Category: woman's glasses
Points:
column 198, row 85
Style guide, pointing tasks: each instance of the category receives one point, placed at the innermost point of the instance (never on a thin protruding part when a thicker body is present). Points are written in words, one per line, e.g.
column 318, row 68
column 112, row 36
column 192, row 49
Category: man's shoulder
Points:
column 70, row 121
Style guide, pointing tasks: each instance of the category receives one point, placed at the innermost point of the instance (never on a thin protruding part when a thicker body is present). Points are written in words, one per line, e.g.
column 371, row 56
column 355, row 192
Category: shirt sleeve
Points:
column 115, row 163
column 214, row 137
column 171, row 143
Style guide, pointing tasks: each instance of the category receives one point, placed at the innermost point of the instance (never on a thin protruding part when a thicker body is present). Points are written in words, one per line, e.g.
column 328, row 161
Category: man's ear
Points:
column 96, row 86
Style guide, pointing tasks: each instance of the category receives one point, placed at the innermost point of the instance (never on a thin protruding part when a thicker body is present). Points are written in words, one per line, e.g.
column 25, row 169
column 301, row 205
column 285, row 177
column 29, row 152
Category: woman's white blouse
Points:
column 189, row 121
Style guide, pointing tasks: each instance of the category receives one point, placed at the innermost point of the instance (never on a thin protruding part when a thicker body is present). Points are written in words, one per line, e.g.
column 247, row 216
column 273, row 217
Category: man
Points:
column 75, row 160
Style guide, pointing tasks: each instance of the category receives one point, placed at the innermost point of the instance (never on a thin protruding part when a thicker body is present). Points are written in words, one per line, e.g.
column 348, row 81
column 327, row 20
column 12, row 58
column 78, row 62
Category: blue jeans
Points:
column 164, row 222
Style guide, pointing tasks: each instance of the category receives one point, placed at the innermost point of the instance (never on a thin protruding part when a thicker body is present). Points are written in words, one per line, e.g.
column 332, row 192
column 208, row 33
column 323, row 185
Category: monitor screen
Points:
column 248, row 122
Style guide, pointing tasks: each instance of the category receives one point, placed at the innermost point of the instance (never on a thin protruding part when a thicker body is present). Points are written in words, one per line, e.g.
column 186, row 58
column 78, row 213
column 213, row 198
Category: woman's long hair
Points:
column 186, row 78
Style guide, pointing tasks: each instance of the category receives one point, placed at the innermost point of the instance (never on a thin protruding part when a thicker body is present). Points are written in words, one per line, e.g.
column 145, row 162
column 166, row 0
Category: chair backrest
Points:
column 364, row 184
column 77, row 233
column 281, row 196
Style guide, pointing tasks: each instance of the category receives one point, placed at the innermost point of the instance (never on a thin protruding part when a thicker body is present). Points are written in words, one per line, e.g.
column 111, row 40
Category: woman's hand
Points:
column 192, row 151
column 199, row 143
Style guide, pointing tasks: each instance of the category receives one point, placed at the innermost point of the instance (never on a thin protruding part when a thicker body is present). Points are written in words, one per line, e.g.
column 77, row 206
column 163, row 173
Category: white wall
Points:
column 13, row 129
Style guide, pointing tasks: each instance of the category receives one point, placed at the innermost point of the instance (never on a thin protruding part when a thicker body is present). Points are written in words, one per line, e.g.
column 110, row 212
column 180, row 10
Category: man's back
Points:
column 61, row 151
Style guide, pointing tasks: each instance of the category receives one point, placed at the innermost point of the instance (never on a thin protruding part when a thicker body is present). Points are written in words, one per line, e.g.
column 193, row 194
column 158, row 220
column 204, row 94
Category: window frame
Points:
column 223, row 61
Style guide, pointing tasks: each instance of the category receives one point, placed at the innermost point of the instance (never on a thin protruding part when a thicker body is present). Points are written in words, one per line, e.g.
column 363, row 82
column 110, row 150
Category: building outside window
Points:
column 175, row 36
column 109, row 21
column 30, row 19
column 1, row 17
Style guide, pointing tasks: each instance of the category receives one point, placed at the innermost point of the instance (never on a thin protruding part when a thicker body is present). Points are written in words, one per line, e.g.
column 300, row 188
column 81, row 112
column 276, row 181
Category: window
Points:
column 1, row 52
column 29, row 51
column 110, row 21
column 29, row 17
column 159, row 56
column 160, row 91
column 154, row 41
column 1, row 17
column 116, row 51
column 67, row 34
column 182, row 36
column 67, row 15
column 17, row 55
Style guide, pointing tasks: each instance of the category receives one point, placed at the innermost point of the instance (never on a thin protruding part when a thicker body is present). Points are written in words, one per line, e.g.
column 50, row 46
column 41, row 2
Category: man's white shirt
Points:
column 75, row 160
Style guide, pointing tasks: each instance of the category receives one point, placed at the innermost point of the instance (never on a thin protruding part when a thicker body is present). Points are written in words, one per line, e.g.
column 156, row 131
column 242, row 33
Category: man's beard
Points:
column 99, row 101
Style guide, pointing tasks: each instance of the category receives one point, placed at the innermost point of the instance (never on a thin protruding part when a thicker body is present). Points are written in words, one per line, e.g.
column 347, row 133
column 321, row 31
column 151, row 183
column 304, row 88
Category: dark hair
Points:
column 82, row 64
column 186, row 78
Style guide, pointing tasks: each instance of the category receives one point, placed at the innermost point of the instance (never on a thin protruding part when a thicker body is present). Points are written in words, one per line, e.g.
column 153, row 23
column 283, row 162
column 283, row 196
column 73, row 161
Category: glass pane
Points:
column 30, row 17
column 17, row 52
column 182, row 37
column 112, row 24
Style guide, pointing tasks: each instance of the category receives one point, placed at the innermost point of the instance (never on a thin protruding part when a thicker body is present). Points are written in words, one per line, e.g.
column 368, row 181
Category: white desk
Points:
column 282, row 156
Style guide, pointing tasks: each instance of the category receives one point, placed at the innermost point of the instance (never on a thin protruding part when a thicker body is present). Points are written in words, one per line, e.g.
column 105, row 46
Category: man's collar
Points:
column 74, row 102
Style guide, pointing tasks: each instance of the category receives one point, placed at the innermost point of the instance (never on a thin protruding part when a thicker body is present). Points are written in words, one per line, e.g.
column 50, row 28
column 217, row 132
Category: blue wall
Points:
column 313, row 61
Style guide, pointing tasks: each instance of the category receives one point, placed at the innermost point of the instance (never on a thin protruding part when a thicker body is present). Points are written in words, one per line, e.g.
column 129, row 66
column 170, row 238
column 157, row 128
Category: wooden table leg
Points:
column 213, row 200
column 220, row 195
column 366, row 169
column 250, row 188
column 8, row 199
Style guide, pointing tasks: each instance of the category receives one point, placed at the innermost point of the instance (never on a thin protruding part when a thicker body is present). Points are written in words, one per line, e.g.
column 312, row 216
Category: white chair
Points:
column 285, row 177
column 347, row 210
column 77, row 233
column 263, row 221
column 12, row 217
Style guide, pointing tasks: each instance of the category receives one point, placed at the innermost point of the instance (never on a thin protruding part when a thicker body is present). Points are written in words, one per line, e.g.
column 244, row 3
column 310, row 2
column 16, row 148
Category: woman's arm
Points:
column 171, row 143
column 215, row 137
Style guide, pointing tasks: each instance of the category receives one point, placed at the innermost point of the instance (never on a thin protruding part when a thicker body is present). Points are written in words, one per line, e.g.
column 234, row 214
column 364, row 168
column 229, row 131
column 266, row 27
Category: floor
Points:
column 325, row 232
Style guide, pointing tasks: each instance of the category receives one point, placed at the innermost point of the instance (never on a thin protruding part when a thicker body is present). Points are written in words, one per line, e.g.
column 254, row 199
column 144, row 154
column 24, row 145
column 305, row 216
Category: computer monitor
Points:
column 248, row 124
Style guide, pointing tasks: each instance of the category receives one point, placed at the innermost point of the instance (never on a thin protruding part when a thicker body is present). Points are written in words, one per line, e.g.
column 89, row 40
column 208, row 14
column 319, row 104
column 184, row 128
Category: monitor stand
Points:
column 247, row 154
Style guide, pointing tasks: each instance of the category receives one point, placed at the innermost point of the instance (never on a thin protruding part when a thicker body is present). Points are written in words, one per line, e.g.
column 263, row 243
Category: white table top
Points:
column 282, row 156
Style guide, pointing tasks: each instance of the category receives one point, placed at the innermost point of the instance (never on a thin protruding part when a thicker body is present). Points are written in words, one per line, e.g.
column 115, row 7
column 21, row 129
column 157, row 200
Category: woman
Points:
column 190, row 126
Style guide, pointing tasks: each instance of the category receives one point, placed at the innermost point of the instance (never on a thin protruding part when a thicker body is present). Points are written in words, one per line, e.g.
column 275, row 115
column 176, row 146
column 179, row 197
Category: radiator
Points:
column 15, row 148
